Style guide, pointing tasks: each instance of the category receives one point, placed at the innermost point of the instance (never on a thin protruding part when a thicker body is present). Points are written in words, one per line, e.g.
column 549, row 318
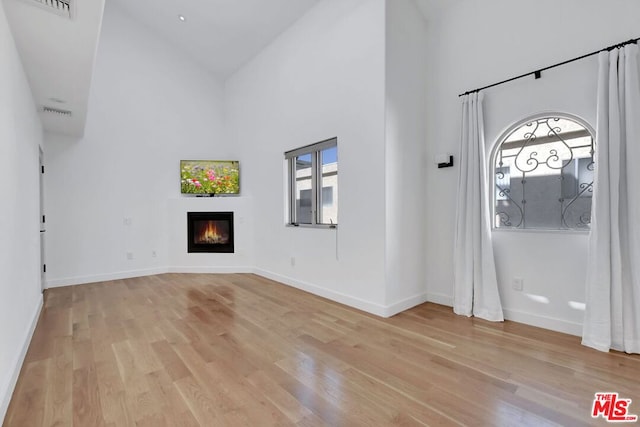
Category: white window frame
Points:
column 316, row 181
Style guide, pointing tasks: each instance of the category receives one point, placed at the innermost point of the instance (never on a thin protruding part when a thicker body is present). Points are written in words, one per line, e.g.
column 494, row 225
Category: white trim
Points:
column 17, row 365
column 441, row 299
column 81, row 280
column 209, row 269
column 405, row 304
column 531, row 319
column 369, row 307
column 360, row 304
column 550, row 323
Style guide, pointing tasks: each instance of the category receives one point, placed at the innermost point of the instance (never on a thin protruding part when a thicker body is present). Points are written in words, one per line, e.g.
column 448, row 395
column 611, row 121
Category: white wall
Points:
column 150, row 106
column 405, row 158
column 479, row 43
column 350, row 69
column 322, row 78
column 20, row 137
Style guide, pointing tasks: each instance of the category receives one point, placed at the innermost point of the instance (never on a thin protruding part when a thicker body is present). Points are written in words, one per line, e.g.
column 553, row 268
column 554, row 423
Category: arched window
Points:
column 543, row 174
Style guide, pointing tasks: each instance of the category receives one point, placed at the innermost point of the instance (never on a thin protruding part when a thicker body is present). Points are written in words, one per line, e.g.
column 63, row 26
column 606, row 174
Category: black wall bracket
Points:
column 446, row 165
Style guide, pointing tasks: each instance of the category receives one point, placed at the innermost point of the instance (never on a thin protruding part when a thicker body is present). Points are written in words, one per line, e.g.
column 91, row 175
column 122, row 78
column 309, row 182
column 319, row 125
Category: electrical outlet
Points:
column 129, row 255
column 154, row 254
column 293, row 261
column 518, row 283
column 126, row 220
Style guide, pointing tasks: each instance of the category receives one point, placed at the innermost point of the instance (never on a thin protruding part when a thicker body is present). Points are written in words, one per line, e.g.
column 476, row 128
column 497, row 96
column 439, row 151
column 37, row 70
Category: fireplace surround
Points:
column 210, row 232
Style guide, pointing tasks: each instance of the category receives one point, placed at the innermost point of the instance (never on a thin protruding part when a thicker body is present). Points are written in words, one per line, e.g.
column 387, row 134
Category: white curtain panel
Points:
column 612, row 317
column 475, row 290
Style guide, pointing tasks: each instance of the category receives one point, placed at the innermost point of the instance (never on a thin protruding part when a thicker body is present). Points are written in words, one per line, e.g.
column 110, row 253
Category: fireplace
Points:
column 210, row 232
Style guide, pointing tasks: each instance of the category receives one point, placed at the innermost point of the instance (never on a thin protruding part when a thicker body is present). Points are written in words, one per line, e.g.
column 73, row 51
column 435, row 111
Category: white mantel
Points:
column 178, row 260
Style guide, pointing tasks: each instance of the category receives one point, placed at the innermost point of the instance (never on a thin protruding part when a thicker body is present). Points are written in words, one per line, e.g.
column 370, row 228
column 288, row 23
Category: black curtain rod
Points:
column 538, row 73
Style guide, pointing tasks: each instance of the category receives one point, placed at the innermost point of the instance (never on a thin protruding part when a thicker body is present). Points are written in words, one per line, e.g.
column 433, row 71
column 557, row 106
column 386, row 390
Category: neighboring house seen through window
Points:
column 543, row 174
column 313, row 184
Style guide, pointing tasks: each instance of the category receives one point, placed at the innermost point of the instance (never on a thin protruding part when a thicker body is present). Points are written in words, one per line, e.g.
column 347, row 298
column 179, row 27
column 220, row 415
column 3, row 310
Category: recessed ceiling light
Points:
column 182, row 18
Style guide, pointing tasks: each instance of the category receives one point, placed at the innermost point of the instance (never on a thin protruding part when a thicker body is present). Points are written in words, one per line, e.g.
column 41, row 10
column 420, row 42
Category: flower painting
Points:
column 210, row 176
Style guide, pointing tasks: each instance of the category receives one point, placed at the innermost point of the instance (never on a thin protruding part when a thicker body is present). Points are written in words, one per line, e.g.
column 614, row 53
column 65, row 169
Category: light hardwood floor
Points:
column 216, row 350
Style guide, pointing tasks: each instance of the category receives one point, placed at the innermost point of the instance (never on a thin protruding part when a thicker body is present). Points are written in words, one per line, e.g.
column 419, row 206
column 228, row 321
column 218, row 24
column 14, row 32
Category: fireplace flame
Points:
column 210, row 234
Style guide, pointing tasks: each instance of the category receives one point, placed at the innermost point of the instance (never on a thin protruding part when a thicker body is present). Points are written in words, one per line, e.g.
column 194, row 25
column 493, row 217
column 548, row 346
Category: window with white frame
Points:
column 543, row 170
column 313, row 184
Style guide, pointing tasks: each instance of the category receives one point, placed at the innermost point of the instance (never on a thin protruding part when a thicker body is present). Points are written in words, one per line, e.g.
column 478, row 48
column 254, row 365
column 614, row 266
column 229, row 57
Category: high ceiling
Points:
column 224, row 34
column 58, row 52
column 221, row 34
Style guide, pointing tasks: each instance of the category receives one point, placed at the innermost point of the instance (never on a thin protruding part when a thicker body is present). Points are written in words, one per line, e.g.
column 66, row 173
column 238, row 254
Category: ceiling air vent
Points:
column 59, row 7
column 57, row 111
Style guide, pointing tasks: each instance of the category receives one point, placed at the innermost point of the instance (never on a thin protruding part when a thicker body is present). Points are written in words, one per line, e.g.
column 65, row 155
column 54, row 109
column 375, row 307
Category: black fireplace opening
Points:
column 210, row 232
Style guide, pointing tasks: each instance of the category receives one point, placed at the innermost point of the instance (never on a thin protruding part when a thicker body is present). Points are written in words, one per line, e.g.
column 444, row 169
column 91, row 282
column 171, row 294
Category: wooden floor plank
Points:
column 238, row 349
column 87, row 408
column 58, row 407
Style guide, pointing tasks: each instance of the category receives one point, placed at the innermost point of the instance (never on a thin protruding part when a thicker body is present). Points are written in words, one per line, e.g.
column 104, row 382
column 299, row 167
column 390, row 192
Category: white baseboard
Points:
column 360, row 304
column 550, row 323
column 17, row 364
column 405, row 304
column 81, row 280
column 210, row 270
column 531, row 319
column 544, row 322
column 373, row 308
column 441, row 299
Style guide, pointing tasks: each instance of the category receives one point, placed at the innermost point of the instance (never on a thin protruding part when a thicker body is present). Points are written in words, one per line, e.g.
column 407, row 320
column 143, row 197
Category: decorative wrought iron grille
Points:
column 543, row 175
